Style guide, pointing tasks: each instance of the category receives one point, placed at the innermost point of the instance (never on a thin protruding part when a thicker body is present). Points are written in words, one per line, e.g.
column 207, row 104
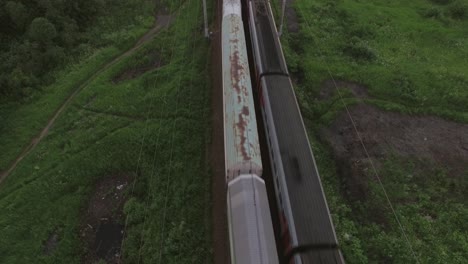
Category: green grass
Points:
column 100, row 134
column 412, row 57
column 407, row 61
column 430, row 205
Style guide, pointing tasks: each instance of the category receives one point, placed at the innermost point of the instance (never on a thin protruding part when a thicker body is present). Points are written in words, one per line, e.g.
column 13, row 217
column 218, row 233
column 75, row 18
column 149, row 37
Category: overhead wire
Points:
column 154, row 156
column 190, row 96
column 168, row 175
column 151, row 185
column 140, row 152
column 393, row 211
column 283, row 11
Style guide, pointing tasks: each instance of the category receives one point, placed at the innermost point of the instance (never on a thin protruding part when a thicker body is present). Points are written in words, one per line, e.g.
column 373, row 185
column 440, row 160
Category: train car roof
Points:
column 329, row 256
column 308, row 203
column 250, row 226
column 268, row 41
column 312, row 220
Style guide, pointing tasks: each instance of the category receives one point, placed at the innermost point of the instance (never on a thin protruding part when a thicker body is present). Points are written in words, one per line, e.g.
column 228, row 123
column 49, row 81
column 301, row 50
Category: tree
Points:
column 42, row 30
column 84, row 11
column 17, row 13
column 19, row 81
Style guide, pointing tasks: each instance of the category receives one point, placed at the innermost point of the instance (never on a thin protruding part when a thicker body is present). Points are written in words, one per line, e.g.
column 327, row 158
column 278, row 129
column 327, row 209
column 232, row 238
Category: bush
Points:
column 42, row 30
column 18, row 80
column 442, row 2
column 404, row 86
column 359, row 49
column 362, row 31
column 458, row 10
column 38, row 36
column 134, row 210
column 52, row 57
column 433, row 12
column 17, row 13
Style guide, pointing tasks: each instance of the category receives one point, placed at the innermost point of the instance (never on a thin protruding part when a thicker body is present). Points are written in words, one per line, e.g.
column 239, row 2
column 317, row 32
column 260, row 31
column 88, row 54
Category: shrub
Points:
column 42, row 30
column 458, row 10
column 18, row 14
column 433, row 12
column 441, row 2
column 359, row 49
column 362, row 31
column 405, row 87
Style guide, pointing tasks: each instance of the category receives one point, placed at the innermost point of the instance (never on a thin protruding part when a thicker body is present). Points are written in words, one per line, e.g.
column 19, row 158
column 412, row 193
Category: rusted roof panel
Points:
column 242, row 150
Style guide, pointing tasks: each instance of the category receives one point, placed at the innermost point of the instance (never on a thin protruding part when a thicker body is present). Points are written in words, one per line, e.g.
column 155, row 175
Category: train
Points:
column 251, row 235
column 307, row 232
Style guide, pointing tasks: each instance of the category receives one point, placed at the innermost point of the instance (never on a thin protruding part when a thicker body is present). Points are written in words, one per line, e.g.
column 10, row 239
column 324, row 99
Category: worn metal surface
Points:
column 250, row 227
column 307, row 212
column 231, row 7
column 242, row 150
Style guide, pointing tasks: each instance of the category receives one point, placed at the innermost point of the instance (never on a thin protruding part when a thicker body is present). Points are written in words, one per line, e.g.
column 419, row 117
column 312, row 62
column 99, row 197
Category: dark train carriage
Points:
column 307, row 230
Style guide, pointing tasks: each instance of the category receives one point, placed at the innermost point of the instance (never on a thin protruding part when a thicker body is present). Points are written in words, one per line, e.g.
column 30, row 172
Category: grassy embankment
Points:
column 111, row 35
column 101, row 134
column 412, row 58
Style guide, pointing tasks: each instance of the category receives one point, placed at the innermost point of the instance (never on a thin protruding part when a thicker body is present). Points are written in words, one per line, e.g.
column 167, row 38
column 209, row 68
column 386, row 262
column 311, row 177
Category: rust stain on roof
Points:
column 242, row 125
column 239, row 72
column 236, row 71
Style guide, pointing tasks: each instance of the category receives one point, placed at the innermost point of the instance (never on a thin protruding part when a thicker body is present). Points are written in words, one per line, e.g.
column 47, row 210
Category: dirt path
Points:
column 162, row 21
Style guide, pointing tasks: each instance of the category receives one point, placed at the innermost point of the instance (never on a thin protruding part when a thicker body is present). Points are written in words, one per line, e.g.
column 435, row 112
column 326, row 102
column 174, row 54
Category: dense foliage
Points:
column 37, row 36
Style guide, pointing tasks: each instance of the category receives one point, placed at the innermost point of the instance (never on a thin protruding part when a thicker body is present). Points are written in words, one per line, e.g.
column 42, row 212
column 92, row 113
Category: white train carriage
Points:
column 250, row 227
column 240, row 126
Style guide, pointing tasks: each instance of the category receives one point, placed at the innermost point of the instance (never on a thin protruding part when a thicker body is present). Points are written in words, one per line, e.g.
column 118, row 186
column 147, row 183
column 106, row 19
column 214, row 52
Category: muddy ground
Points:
column 431, row 141
column 103, row 220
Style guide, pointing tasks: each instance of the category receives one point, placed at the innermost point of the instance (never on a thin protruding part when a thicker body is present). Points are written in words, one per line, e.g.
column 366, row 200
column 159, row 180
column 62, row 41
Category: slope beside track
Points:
column 220, row 236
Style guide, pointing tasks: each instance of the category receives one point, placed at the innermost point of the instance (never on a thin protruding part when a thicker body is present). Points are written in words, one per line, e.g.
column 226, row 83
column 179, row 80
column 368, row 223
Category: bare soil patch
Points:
column 328, row 89
column 102, row 224
column 431, row 141
column 51, row 243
